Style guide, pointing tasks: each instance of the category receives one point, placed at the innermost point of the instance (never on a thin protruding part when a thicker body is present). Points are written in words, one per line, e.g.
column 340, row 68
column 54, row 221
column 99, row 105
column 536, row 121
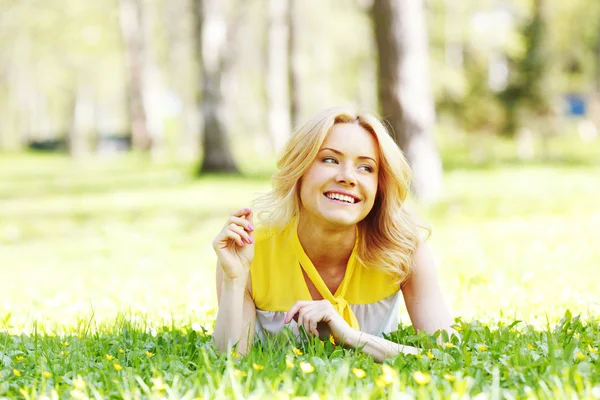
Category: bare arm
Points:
column 234, row 247
column 237, row 313
column 426, row 307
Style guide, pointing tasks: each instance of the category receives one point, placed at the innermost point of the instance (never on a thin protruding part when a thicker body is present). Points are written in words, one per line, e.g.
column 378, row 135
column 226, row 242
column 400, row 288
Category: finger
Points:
column 231, row 235
column 240, row 231
column 244, row 223
column 250, row 218
column 295, row 308
column 311, row 319
column 241, row 212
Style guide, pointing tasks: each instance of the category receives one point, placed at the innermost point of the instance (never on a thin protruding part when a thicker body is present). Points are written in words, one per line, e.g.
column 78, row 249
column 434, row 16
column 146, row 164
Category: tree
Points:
column 211, row 33
column 130, row 16
column 529, row 91
column 404, row 90
column 278, row 90
column 293, row 69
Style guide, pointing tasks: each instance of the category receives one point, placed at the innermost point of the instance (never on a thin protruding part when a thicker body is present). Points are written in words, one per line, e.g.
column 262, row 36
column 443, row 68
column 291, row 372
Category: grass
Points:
column 107, row 284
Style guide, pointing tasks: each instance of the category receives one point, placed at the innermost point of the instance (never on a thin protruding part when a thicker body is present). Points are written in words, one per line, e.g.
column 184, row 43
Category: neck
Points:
column 328, row 247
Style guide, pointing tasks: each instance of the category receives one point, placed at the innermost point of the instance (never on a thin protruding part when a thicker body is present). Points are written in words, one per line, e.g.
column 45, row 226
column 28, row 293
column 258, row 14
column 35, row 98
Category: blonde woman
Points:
column 335, row 250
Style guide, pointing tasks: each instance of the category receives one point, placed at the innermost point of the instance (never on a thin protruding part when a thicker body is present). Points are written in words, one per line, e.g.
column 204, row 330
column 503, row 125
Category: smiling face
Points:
column 340, row 186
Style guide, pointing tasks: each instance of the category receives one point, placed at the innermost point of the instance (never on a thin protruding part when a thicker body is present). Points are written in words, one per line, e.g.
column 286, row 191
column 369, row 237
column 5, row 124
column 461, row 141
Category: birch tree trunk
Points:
column 278, row 91
column 130, row 16
column 405, row 95
column 293, row 68
column 211, row 31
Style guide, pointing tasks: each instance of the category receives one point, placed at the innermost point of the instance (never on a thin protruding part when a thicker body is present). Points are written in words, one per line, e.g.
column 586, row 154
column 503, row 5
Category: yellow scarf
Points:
column 338, row 300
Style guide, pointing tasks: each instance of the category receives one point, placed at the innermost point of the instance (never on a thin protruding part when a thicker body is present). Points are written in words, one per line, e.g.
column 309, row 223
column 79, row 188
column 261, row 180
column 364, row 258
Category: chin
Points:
column 342, row 220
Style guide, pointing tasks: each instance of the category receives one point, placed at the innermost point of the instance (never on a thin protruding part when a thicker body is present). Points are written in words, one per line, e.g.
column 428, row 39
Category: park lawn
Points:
column 107, row 286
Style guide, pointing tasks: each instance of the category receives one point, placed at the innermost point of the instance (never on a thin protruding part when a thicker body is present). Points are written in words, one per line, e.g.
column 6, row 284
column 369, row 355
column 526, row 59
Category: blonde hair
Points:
column 388, row 234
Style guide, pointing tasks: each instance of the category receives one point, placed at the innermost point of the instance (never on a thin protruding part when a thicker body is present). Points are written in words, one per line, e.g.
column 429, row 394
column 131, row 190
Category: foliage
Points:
column 133, row 360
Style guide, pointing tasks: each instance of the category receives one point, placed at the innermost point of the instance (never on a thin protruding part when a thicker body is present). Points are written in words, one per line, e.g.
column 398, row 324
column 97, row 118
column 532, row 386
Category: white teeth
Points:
column 341, row 197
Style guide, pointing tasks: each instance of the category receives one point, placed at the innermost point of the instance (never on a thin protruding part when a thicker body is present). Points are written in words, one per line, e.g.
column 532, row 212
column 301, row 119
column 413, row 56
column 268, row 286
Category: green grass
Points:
column 103, row 259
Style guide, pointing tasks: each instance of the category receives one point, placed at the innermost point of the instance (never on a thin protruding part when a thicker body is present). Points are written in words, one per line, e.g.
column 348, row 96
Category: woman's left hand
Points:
column 310, row 313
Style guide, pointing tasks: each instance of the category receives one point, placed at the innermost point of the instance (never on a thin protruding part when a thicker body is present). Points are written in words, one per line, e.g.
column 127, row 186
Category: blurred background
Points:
column 130, row 129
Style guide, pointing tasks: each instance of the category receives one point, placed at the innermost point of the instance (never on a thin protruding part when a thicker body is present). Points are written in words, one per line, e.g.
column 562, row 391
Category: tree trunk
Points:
column 293, row 69
column 77, row 141
column 404, row 90
column 211, row 31
column 130, row 15
column 278, row 91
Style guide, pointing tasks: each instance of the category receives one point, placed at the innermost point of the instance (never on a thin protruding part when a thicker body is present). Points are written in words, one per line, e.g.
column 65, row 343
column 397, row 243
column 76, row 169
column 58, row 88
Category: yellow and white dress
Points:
column 367, row 298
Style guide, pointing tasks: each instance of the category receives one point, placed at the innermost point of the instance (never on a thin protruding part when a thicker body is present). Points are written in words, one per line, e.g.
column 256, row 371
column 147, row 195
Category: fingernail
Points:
column 251, row 227
column 250, row 240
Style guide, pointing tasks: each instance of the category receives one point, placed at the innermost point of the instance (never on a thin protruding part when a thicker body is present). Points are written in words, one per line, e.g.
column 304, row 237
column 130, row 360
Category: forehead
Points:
column 352, row 139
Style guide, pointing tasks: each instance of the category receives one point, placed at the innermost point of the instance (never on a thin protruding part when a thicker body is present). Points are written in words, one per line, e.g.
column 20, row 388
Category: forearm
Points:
column 231, row 326
column 377, row 347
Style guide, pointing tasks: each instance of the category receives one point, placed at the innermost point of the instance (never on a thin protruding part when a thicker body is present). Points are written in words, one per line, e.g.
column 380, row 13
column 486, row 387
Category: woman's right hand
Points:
column 234, row 245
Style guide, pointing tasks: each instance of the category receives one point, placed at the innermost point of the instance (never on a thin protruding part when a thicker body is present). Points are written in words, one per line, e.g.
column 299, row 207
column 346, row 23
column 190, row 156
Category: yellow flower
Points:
column 79, row 383
column 117, row 366
column 20, row 358
column 482, row 347
column 421, row 378
column 297, row 351
column 331, row 340
column 449, row 378
column 449, row 345
column 158, row 384
column 419, row 356
column 121, row 351
column 359, row 373
column 258, row 367
column 576, row 335
column 529, row 346
column 307, row 368
column 109, row 357
column 149, row 354
column 592, row 350
column 380, row 382
column 289, row 363
column 65, row 343
column 238, row 374
column 579, row 356
column 386, row 377
column 430, row 355
column 235, row 355
column 457, row 327
column 47, row 374
column 16, row 372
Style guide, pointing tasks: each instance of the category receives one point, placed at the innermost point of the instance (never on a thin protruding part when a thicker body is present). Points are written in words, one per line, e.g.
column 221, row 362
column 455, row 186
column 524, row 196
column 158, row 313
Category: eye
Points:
column 366, row 168
column 329, row 160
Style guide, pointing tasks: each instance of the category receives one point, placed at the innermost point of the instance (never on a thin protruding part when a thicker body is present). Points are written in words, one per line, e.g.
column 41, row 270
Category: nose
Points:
column 346, row 176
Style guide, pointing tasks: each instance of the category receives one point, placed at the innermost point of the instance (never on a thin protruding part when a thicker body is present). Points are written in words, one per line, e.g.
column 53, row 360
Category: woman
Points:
column 336, row 248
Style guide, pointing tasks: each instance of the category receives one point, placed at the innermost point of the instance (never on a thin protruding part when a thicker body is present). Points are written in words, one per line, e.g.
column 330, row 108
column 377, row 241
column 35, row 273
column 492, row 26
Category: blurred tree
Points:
column 131, row 14
column 529, row 92
column 278, row 90
column 404, row 90
column 293, row 68
column 211, row 33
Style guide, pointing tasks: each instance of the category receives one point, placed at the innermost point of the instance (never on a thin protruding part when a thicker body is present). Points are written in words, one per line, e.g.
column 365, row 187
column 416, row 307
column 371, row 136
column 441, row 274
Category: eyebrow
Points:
column 341, row 154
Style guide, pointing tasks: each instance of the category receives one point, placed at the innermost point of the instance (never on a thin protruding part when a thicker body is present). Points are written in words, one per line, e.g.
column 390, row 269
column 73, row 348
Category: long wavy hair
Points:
column 388, row 235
